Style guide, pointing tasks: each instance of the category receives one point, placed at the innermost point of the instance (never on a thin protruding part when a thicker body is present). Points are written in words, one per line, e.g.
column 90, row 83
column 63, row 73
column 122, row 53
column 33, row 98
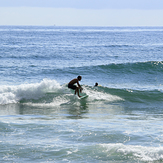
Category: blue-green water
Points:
column 41, row 120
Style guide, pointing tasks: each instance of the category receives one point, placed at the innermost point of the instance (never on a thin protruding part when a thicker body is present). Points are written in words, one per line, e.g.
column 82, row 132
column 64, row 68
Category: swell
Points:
column 149, row 67
column 135, row 68
column 147, row 96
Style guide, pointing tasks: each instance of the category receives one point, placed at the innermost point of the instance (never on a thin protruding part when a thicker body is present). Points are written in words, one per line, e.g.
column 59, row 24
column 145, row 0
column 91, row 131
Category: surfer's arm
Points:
column 79, row 85
column 80, row 88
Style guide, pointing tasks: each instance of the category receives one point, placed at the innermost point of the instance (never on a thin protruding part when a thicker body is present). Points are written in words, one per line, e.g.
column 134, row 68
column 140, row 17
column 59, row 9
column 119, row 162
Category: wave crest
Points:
column 13, row 94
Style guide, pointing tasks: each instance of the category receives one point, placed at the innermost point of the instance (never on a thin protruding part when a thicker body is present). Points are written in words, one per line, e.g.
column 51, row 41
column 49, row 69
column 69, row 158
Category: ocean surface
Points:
column 41, row 120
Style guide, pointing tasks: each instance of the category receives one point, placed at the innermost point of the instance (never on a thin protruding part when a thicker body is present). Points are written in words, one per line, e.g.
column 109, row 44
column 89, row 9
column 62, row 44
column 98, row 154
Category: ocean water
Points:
column 41, row 120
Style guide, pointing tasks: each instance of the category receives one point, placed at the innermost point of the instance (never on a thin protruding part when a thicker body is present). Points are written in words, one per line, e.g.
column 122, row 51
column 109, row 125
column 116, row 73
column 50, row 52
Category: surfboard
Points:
column 85, row 96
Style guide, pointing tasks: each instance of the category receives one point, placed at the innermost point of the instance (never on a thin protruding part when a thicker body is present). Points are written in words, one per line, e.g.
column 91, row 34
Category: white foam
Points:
column 141, row 153
column 13, row 94
column 57, row 101
column 95, row 94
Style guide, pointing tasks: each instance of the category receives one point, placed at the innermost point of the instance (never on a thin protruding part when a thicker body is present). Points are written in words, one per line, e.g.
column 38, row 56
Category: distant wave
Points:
column 149, row 67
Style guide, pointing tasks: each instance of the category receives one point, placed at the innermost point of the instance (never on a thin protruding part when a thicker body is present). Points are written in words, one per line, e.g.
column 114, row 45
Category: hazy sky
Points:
column 82, row 12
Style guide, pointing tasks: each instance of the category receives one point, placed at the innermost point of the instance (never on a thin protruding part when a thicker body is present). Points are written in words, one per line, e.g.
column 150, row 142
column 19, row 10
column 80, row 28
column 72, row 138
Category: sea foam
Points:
column 137, row 152
column 13, row 94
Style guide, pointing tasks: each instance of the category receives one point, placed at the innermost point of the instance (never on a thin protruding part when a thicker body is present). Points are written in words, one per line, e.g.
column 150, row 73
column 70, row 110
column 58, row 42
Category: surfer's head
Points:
column 96, row 84
column 79, row 78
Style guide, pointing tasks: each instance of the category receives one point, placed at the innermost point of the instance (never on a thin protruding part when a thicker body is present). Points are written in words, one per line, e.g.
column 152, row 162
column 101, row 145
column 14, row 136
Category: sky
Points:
column 82, row 12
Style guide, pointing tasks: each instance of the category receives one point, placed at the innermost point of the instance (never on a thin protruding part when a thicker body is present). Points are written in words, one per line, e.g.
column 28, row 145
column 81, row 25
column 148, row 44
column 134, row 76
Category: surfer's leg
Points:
column 81, row 90
column 77, row 90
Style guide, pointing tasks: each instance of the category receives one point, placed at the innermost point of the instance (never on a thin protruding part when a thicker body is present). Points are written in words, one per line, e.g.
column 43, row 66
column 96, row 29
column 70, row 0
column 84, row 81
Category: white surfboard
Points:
column 85, row 96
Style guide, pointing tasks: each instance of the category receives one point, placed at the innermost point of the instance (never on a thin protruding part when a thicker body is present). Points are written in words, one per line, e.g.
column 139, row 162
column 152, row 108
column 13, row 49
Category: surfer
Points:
column 74, row 87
